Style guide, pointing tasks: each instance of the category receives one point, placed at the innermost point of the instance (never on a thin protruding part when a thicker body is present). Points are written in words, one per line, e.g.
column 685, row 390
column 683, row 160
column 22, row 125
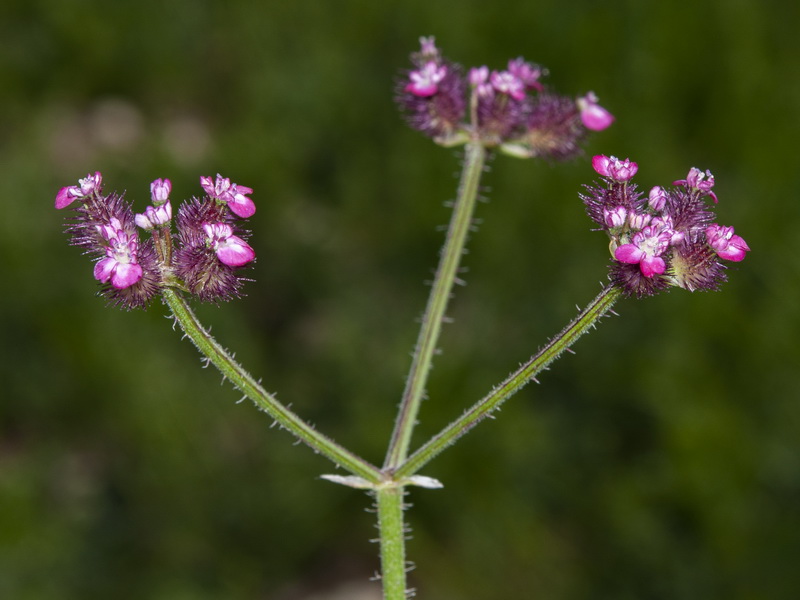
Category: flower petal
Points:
column 235, row 252
column 125, row 275
column 652, row 265
column 103, row 269
column 242, row 206
column 629, row 253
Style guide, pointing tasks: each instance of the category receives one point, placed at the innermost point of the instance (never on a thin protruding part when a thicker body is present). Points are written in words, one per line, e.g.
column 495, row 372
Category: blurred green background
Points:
column 662, row 461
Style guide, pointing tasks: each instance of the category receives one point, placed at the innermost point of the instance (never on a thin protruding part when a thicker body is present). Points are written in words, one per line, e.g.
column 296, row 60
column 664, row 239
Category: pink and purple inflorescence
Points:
column 510, row 109
column 668, row 237
column 204, row 258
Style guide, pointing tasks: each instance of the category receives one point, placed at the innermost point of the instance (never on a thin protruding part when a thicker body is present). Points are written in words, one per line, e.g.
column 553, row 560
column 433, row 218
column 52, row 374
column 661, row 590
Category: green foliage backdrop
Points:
column 662, row 461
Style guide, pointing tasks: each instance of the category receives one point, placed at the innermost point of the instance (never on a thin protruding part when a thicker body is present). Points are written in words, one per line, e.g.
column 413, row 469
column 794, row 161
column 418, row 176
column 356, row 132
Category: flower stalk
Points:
column 461, row 220
column 243, row 381
column 585, row 321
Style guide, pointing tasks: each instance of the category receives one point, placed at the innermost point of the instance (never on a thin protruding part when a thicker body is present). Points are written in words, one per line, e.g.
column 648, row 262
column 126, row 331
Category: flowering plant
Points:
column 664, row 238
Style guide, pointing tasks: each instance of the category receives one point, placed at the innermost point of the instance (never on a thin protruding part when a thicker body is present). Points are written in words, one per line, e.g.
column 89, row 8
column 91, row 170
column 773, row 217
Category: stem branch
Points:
column 460, row 222
column 242, row 380
column 586, row 320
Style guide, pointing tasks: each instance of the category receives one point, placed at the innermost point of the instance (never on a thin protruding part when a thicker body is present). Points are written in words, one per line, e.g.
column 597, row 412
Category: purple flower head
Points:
column 500, row 104
column 695, row 266
column 500, row 110
column 614, row 168
column 230, row 249
column 119, row 267
column 593, row 116
column 210, row 249
column 528, row 73
column 89, row 185
column 232, row 194
column 668, row 238
column 433, row 98
column 204, row 258
column 725, row 243
column 551, row 128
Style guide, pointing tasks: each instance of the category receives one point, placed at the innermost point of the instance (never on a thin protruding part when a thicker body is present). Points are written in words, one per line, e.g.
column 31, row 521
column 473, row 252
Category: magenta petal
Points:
column 64, row 197
column 423, row 90
column 235, row 252
column 652, row 265
column 735, row 250
column 242, row 206
column 125, row 275
column 629, row 253
column 103, row 269
column 600, row 164
column 207, row 183
column 596, row 118
column 732, row 253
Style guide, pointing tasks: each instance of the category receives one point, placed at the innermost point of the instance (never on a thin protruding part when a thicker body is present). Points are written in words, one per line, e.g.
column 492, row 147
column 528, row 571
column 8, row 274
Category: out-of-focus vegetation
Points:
column 662, row 461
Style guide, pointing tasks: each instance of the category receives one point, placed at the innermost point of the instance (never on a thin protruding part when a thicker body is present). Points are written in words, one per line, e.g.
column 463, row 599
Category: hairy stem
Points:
column 392, row 540
column 242, row 380
column 437, row 304
column 585, row 321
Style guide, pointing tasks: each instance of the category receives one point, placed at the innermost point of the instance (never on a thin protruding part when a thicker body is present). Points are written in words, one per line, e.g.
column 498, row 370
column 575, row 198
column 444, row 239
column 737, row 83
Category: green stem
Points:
column 240, row 378
column 586, row 320
column 437, row 304
column 392, row 539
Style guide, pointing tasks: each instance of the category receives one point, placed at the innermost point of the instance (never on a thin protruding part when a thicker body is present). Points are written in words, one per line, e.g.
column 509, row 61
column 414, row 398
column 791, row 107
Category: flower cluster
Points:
column 510, row 109
column 666, row 238
column 204, row 257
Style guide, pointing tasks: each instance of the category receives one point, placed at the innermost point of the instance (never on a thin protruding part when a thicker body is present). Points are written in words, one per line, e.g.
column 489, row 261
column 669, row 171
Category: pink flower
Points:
column 425, row 81
column 526, row 72
column 85, row 188
column 506, row 82
column 639, row 220
column 593, row 116
column 618, row 170
column 725, row 243
column 697, row 180
column 657, row 198
column 615, row 218
column 230, row 249
column 666, row 223
column 645, row 249
column 119, row 266
column 159, row 190
column 153, row 216
column 428, row 45
column 233, row 194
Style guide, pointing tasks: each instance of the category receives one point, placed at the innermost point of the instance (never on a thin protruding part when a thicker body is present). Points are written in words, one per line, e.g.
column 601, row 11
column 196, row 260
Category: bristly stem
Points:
column 585, row 321
column 475, row 157
column 242, row 380
column 392, row 540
